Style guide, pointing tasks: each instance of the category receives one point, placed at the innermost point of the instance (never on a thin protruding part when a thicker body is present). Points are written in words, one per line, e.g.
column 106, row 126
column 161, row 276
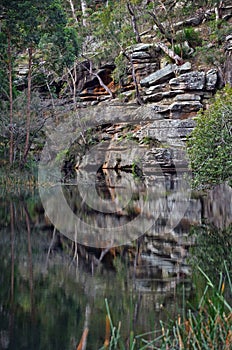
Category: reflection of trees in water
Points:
column 36, row 274
column 45, row 297
column 213, row 248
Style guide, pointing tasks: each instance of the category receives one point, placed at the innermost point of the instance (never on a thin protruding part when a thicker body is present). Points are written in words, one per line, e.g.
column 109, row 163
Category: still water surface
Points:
column 51, row 288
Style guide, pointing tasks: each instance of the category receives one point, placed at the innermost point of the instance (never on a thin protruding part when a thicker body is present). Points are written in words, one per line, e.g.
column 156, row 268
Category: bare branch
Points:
column 178, row 60
column 134, row 22
column 90, row 70
column 161, row 27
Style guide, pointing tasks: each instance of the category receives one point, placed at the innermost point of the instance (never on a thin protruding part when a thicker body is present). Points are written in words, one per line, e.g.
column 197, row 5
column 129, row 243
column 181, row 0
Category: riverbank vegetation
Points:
column 210, row 144
column 209, row 326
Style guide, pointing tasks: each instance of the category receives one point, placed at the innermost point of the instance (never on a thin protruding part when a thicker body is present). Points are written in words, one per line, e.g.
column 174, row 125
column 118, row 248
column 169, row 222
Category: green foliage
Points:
column 120, row 71
column 208, row 55
column 111, row 30
column 212, row 249
column 190, row 35
column 208, row 327
column 209, row 145
column 181, row 50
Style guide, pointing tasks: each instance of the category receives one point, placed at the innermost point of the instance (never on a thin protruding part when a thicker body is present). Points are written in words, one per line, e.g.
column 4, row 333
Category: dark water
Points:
column 51, row 289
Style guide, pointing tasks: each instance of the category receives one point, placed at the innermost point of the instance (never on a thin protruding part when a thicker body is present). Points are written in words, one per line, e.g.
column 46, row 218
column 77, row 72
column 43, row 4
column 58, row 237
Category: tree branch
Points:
column 90, row 70
column 134, row 22
column 161, row 27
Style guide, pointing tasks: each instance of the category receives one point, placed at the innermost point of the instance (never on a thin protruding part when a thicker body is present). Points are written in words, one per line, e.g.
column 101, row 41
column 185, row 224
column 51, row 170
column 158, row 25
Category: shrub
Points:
column 209, row 145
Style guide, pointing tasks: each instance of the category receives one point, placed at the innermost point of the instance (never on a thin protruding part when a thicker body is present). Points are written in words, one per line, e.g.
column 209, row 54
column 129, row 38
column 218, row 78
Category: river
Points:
column 52, row 287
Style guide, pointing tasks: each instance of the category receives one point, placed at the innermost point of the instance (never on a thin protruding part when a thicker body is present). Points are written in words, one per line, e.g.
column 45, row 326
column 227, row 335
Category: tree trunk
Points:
column 73, row 11
column 73, row 77
column 12, row 238
column 137, row 93
column 28, row 122
column 84, row 11
column 9, row 54
column 228, row 61
column 134, row 22
column 218, row 10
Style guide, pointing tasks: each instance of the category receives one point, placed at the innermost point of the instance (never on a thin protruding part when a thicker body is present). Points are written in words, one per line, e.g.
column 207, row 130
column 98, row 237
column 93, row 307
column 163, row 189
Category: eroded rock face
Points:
column 187, row 97
column 181, row 107
column 159, row 76
column 140, row 55
column 211, row 79
column 161, row 95
column 173, row 132
column 189, row 81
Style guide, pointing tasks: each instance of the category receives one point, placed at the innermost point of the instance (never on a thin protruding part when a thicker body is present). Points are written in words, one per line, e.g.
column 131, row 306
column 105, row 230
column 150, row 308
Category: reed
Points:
column 208, row 327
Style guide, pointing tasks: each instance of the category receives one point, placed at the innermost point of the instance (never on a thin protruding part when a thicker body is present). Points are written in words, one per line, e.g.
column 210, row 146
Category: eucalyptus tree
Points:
column 8, row 53
column 29, row 29
column 35, row 21
column 113, row 27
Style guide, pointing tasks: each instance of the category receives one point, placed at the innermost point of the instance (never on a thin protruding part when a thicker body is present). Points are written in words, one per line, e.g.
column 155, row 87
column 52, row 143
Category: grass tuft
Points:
column 209, row 327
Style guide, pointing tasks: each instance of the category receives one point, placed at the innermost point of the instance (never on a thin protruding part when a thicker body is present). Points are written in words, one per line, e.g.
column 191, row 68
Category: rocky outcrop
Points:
column 160, row 76
column 189, row 81
column 181, row 96
column 164, row 74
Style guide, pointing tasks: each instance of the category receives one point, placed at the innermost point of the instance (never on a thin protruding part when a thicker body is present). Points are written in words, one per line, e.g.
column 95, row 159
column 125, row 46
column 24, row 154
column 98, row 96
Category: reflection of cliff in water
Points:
column 48, row 281
column 161, row 204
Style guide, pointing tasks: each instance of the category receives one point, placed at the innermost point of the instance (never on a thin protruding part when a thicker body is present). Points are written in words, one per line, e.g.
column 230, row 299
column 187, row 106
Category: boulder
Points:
column 211, row 79
column 160, row 76
column 189, row 81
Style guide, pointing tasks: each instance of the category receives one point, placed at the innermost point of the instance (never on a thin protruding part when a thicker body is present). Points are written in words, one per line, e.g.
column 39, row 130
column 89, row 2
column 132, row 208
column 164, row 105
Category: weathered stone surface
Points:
column 184, row 68
column 187, row 97
column 211, row 79
column 140, row 55
column 159, row 76
column 147, row 67
column 228, row 41
column 160, row 95
column 153, row 98
column 185, row 106
column 144, row 69
column 189, row 81
column 155, row 88
column 172, row 93
column 142, row 47
column 171, row 131
column 160, row 108
column 194, row 21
